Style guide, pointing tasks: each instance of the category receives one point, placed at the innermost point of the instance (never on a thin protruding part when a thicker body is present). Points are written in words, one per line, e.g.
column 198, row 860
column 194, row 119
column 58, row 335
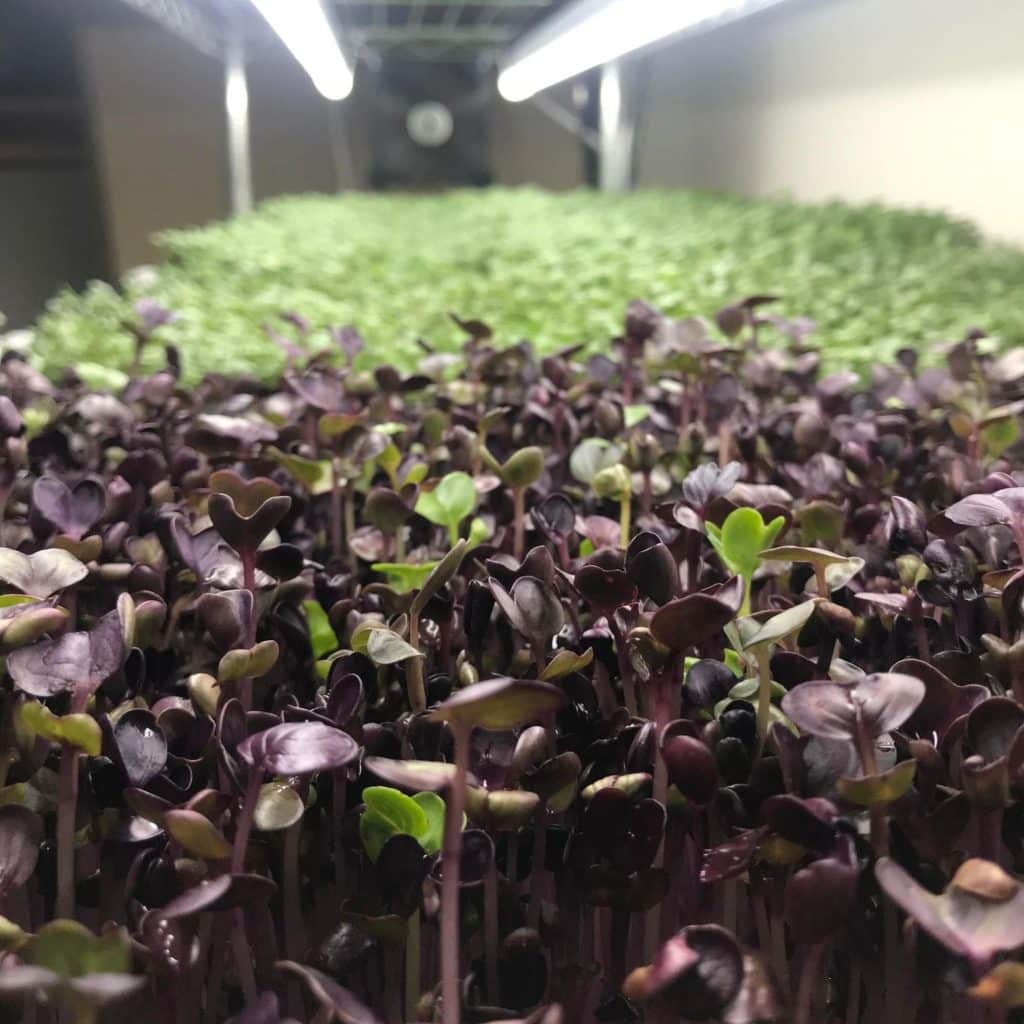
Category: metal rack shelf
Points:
column 432, row 30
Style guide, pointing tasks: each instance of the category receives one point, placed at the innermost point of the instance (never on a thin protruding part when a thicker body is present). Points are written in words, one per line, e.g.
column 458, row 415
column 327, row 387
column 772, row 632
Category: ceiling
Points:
column 436, row 30
column 449, row 31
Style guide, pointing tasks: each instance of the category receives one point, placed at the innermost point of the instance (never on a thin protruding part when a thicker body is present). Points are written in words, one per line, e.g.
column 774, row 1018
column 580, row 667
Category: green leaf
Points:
column 613, row 482
column 634, row 414
column 389, row 459
column 197, row 834
column 278, row 807
column 878, row 790
column 404, row 576
column 76, row 730
column 12, row 938
column 742, row 538
column 385, row 647
column 387, row 813
column 591, row 456
column 314, row 475
column 62, row 947
column 523, row 468
column 999, row 434
column 321, row 635
column 450, row 501
column 69, row 949
column 780, row 626
column 415, row 474
column 101, row 378
column 566, row 662
column 479, row 532
column 253, row 661
column 442, row 573
column 433, row 808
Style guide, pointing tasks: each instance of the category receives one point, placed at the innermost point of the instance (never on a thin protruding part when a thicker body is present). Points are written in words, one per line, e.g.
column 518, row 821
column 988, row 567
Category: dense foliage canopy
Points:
column 679, row 682
column 557, row 269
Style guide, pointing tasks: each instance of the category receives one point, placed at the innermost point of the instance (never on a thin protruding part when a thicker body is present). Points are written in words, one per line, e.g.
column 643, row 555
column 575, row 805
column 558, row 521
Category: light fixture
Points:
column 590, row 33
column 303, row 27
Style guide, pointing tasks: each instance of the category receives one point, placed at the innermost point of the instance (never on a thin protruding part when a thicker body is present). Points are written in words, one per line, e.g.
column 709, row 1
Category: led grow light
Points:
column 304, row 29
column 594, row 32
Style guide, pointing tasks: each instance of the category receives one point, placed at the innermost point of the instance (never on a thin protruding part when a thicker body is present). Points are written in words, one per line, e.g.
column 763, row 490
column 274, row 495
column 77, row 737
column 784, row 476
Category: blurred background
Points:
column 116, row 116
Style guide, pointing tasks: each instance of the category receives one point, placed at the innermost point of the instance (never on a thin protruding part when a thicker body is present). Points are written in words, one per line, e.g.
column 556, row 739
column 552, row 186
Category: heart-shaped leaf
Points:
column 248, row 495
column 741, row 539
column 43, row 573
column 71, row 511
column 452, row 500
column 873, row 705
column 565, row 663
column 75, row 730
column 245, row 533
column 253, row 661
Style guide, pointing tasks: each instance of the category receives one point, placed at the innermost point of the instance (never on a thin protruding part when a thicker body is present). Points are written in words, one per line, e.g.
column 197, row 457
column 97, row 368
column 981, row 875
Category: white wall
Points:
column 157, row 121
column 530, row 149
column 916, row 102
column 51, row 237
column 157, row 115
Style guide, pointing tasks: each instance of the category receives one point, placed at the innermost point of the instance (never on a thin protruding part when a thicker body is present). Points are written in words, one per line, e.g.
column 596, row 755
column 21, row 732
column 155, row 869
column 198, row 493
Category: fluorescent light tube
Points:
column 593, row 32
column 304, row 29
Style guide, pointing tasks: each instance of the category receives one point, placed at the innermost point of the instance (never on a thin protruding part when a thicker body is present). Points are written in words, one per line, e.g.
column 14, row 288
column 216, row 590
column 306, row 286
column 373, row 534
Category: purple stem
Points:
column 67, row 803
column 809, row 977
column 518, row 522
column 661, row 715
column 242, row 955
column 625, row 669
column 491, row 933
column 339, row 782
column 244, row 827
column 249, row 583
column 294, row 941
column 619, row 938
column 451, row 857
column 538, row 873
column 335, row 511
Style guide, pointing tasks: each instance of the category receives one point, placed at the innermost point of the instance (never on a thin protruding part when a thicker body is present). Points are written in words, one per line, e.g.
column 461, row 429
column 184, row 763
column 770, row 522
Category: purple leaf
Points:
column 299, row 748
column 74, row 661
column 71, row 511
column 875, row 704
column 330, row 995
column 21, row 832
column 979, row 510
column 980, row 914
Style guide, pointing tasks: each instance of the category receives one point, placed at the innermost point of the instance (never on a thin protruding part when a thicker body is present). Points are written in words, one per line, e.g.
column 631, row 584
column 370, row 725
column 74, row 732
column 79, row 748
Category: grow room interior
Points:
column 512, row 510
